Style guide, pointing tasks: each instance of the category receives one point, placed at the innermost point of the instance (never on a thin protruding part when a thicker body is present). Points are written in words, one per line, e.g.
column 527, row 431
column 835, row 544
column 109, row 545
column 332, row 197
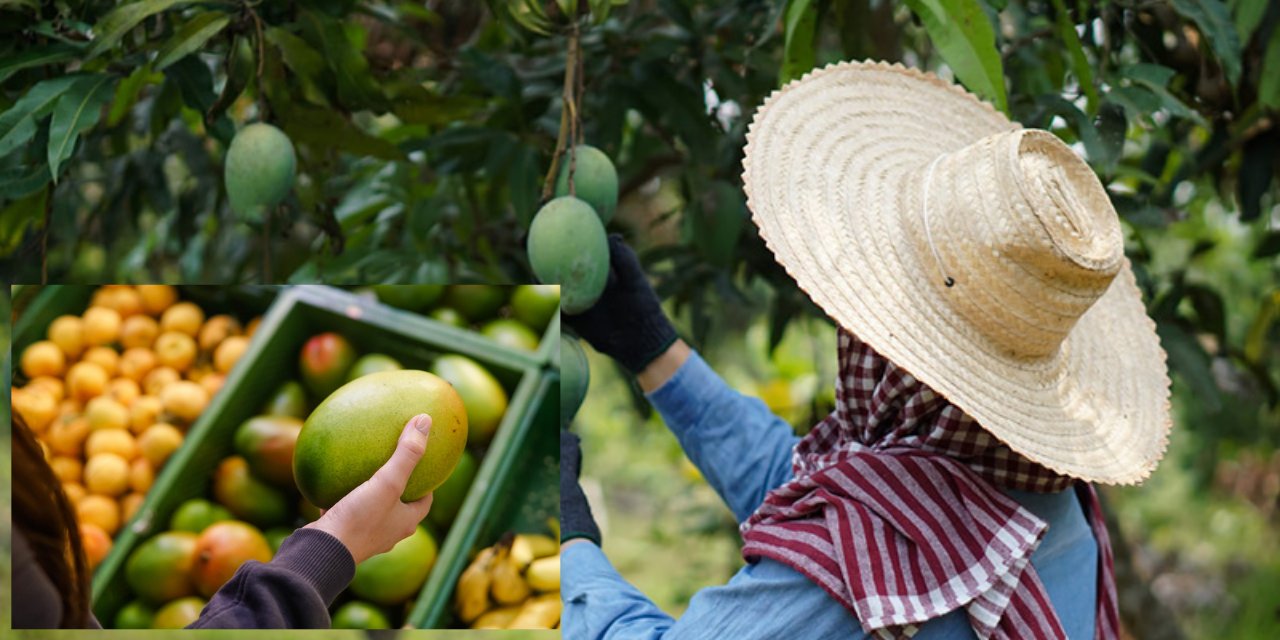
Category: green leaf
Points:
column 127, row 93
column 36, row 57
column 76, row 112
column 113, row 26
column 326, row 129
column 194, row 82
column 298, row 55
column 15, row 218
column 1248, row 14
column 800, row 24
column 963, row 35
column 190, row 38
column 356, row 87
column 1215, row 23
column 600, row 10
column 18, row 124
column 1189, row 361
column 1079, row 64
column 1269, row 83
column 1152, row 79
column 18, row 182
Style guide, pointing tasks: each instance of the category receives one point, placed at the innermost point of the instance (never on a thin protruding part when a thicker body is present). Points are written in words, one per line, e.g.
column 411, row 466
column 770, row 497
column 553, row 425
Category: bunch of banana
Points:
column 515, row 584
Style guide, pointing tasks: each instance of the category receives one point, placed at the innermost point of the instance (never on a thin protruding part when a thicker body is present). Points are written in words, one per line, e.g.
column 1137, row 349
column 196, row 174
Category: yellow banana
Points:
column 542, row 546
column 508, row 586
column 496, row 618
column 472, row 597
column 521, row 551
column 544, row 574
column 539, row 612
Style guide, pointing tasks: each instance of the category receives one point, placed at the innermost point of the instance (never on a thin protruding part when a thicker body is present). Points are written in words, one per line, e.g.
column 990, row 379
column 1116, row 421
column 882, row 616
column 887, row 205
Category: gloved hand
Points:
column 575, row 514
column 627, row 322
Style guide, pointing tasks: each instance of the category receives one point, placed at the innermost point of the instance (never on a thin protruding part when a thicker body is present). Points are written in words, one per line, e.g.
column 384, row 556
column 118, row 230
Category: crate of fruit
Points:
column 231, row 467
column 509, row 316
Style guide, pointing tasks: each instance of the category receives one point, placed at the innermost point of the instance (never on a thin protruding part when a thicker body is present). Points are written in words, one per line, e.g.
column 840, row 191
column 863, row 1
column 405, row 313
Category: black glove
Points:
column 627, row 322
column 575, row 513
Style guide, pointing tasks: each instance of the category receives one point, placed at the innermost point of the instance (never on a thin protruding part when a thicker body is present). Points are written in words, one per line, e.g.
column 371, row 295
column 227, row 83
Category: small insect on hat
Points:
column 984, row 258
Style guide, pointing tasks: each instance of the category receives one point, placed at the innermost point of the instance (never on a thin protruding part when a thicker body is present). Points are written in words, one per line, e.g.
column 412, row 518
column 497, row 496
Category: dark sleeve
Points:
column 36, row 605
column 293, row 591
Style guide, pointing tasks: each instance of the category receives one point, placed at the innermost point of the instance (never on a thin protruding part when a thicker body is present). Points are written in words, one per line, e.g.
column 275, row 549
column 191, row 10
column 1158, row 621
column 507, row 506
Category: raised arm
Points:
column 739, row 445
column 741, row 448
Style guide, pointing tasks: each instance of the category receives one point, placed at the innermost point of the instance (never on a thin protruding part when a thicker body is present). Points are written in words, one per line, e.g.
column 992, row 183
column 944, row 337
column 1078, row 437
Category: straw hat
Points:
column 984, row 258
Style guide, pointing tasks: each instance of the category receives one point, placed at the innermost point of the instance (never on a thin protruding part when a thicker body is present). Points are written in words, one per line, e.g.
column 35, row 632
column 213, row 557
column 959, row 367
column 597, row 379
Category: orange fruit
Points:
column 66, row 437
column 106, row 474
column 68, row 333
column 86, row 381
column 53, row 386
column 104, row 357
column 144, row 413
column 141, row 475
column 101, row 326
column 229, row 353
column 67, row 469
column 252, row 327
column 124, row 391
column 217, row 329
column 95, row 542
column 185, row 399
column 43, row 358
column 106, row 413
column 158, row 379
column 198, row 372
column 36, row 407
column 75, row 492
column 157, row 297
column 126, row 301
column 159, row 442
column 99, row 510
column 137, row 362
column 117, row 441
column 139, row 332
column 176, row 350
column 129, row 505
column 70, row 408
column 183, row 317
column 213, row 383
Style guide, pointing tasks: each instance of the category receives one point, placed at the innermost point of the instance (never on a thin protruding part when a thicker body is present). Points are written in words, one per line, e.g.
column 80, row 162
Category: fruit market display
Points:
column 514, row 584
column 111, row 393
column 315, row 439
column 513, row 317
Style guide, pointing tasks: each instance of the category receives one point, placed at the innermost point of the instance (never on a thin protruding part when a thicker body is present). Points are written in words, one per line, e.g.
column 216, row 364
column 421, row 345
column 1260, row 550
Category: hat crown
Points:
column 1028, row 234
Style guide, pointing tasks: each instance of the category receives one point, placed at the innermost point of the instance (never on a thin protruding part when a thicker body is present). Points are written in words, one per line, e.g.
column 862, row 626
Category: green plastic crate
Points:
column 547, row 344
column 521, row 491
column 293, row 317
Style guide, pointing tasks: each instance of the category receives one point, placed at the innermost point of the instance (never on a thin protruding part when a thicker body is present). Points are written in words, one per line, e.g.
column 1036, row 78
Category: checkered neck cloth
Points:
column 894, row 511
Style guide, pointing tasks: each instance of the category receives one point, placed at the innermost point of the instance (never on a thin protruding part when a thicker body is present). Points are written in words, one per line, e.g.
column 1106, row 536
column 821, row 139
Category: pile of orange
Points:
column 111, row 393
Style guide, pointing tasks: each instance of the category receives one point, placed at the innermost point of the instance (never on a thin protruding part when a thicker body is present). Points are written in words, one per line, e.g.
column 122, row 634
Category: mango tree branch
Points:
column 568, row 116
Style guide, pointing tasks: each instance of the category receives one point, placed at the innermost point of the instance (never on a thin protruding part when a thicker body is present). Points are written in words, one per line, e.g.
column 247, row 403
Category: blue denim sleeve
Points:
column 740, row 447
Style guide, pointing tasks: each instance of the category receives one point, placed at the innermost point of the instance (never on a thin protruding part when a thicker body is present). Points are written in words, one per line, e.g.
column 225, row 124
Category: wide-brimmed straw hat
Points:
column 984, row 258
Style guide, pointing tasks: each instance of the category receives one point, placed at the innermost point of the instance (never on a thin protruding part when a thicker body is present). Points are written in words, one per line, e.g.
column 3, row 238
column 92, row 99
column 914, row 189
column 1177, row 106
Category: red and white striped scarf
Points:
column 894, row 511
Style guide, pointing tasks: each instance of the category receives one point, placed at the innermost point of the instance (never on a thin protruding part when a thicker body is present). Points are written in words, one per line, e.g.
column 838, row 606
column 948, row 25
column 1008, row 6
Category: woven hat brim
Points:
column 831, row 176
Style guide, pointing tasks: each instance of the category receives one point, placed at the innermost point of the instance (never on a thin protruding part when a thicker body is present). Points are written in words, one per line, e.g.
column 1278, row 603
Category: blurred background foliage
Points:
column 424, row 131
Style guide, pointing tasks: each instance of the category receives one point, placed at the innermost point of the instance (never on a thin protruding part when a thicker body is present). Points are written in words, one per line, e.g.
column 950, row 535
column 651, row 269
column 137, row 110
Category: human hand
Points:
column 627, row 322
column 372, row 519
column 576, row 520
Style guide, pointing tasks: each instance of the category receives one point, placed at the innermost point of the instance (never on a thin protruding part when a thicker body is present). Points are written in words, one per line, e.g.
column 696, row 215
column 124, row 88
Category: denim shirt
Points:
column 744, row 451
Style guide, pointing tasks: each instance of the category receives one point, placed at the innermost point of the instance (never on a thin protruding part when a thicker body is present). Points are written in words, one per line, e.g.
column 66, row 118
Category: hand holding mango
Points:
column 372, row 518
